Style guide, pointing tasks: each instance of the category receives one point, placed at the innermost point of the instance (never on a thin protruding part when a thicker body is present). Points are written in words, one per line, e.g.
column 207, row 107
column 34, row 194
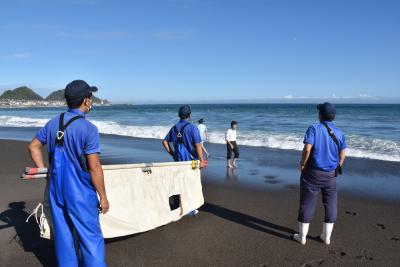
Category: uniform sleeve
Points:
column 309, row 137
column 42, row 134
column 92, row 142
column 168, row 138
column 343, row 144
column 196, row 135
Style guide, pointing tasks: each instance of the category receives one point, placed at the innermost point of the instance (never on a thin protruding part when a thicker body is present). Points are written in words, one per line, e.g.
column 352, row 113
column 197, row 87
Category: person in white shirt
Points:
column 203, row 135
column 231, row 146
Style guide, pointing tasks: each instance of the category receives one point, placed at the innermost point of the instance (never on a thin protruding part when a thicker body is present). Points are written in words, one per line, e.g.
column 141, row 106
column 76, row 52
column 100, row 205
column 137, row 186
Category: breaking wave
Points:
column 358, row 146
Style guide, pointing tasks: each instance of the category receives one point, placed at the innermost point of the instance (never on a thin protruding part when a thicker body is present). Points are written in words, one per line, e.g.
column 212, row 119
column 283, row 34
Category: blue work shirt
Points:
column 325, row 153
column 81, row 138
column 190, row 137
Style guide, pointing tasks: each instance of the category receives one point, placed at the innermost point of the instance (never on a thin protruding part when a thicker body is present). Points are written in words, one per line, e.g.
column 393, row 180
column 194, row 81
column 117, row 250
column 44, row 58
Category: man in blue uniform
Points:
column 185, row 138
column 322, row 160
column 76, row 177
column 186, row 141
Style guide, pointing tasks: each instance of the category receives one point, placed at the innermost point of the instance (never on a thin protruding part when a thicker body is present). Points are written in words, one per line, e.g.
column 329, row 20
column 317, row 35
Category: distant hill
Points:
column 58, row 96
column 25, row 97
column 21, row 93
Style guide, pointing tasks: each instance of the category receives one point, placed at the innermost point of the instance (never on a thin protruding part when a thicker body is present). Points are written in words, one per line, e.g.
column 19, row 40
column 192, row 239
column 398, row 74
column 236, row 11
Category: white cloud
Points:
column 172, row 35
column 22, row 55
column 288, row 97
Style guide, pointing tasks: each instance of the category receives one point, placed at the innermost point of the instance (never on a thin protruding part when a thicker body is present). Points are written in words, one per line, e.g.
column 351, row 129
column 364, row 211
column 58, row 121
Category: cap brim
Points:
column 93, row 89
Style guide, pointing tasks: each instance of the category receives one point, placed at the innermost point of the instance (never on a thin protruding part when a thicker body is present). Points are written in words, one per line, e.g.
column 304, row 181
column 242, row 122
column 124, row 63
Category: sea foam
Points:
column 358, row 146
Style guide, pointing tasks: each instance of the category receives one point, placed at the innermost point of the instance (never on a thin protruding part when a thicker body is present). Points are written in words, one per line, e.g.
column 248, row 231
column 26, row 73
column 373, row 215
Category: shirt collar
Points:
column 77, row 111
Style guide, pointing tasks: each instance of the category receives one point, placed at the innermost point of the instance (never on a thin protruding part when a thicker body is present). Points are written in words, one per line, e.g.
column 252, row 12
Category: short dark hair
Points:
column 327, row 117
column 201, row 121
column 233, row 123
column 74, row 103
column 184, row 117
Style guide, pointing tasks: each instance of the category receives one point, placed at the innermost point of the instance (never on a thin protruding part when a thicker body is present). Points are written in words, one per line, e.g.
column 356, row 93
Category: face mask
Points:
column 90, row 106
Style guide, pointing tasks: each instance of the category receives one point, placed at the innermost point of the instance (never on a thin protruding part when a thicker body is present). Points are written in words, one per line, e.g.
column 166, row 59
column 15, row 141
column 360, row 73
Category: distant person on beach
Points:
column 76, row 180
column 232, row 146
column 203, row 135
column 321, row 162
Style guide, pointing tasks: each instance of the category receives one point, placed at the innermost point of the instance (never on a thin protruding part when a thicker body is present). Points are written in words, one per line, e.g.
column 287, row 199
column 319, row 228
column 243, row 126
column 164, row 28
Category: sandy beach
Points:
column 248, row 218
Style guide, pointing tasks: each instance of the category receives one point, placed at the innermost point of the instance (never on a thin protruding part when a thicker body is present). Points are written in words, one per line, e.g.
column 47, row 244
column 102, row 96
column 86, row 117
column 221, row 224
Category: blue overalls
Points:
column 319, row 173
column 184, row 136
column 73, row 198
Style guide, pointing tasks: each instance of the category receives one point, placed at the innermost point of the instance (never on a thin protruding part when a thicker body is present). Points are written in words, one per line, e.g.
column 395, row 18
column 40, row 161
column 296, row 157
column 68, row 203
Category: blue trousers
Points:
column 311, row 183
column 74, row 208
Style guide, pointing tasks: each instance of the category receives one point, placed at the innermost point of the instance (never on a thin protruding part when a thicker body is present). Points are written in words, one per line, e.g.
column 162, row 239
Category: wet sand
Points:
column 247, row 220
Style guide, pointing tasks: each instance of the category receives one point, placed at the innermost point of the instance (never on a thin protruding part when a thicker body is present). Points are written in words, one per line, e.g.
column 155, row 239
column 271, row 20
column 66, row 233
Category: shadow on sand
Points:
column 249, row 221
column 27, row 234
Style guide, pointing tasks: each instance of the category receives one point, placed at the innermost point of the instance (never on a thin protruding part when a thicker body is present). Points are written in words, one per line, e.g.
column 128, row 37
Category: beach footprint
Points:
column 365, row 256
column 351, row 213
column 253, row 172
column 382, row 226
column 271, row 179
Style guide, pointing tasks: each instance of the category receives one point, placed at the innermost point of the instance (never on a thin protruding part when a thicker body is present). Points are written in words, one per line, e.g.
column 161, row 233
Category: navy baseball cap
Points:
column 78, row 89
column 326, row 109
column 185, row 111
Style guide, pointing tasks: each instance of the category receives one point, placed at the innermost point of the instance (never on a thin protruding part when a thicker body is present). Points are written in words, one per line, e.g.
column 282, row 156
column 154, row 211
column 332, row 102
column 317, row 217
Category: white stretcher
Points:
column 142, row 197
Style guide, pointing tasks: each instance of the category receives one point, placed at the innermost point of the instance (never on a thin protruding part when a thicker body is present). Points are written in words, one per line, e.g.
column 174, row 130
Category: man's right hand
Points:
column 203, row 164
column 104, row 205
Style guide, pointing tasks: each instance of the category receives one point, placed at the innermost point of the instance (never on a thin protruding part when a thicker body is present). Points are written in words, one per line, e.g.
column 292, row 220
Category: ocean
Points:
column 372, row 131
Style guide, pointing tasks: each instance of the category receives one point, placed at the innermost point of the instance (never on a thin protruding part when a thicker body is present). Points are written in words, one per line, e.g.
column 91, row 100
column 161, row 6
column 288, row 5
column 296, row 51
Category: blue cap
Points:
column 326, row 109
column 185, row 111
column 78, row 89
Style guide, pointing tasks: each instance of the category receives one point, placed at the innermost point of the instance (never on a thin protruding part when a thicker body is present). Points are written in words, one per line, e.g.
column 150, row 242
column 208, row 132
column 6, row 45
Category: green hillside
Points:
column 21, row 93
column 59, row 96
column 56, row 96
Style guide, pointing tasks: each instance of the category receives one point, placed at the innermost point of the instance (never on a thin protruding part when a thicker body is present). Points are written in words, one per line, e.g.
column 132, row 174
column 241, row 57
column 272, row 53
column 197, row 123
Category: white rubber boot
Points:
column 326, row 233
column 301, row 237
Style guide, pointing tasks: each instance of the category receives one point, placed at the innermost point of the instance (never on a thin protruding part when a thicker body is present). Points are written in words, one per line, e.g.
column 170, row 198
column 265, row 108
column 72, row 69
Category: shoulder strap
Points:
column 62, row 127
column 338, row 170
column 184, row 126
column 332, row 135
column 179, row 134
column 71, row 121
column 182, row 129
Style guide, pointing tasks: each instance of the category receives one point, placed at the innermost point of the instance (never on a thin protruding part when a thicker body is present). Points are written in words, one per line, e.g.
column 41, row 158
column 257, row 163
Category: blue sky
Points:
column 205, row 50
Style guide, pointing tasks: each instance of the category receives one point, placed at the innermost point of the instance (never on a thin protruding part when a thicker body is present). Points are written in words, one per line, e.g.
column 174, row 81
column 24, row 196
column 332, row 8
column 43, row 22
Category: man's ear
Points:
column 87, row 102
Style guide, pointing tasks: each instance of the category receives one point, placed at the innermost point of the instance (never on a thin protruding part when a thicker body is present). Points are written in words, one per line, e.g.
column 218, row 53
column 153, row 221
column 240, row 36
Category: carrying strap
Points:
column 332, row 135
column 338, row 170
column 62, row 127
column 179, row 134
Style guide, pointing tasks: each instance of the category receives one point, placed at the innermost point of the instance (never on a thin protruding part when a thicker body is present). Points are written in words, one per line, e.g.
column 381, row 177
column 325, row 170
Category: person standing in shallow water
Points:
column 203, row 135
column 231, row 146
column 322, row 160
